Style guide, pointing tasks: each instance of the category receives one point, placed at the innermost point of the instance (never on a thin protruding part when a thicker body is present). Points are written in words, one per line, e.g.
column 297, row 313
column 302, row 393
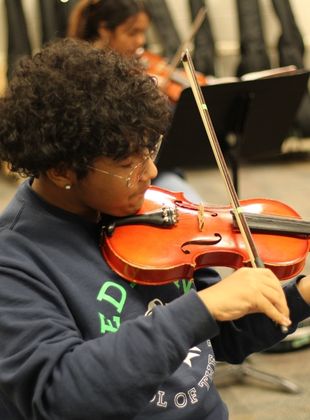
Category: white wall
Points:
column 223, row 18
column 222, row 15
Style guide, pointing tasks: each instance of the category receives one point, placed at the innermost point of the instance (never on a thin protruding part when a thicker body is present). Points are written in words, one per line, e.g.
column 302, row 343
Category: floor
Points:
column 287, row 180
column 260, row 400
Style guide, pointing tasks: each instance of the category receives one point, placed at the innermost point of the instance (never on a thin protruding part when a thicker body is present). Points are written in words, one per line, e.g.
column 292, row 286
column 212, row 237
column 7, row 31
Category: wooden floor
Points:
column 287, row 180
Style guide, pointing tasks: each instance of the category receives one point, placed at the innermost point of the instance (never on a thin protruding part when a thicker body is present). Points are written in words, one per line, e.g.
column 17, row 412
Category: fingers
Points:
column 246, row 291
column 270, row 306
column 273, row 302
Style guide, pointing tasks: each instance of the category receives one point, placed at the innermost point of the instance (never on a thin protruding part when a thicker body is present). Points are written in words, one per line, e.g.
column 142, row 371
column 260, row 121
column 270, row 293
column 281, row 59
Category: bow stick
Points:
column 217, row 151
column 206, row 119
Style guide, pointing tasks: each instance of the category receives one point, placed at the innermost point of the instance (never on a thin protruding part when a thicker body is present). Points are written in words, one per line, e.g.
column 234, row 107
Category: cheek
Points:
column 120, row 43
column 112, row 199
column 106, row 200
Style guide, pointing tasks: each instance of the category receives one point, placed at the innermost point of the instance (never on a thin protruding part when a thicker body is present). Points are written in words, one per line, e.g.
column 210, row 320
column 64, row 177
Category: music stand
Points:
column 251, row 119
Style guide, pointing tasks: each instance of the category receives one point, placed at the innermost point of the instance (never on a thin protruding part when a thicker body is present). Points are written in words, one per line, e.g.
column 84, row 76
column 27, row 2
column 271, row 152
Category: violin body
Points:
column 172, row 83
column 204, row 237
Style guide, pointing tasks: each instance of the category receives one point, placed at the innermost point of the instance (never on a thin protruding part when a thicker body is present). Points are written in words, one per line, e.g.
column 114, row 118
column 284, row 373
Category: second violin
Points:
column 170, row 78
column 171, row 81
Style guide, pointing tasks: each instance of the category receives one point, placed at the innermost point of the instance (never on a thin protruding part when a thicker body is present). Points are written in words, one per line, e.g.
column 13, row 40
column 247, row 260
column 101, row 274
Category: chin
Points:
column 136, row 204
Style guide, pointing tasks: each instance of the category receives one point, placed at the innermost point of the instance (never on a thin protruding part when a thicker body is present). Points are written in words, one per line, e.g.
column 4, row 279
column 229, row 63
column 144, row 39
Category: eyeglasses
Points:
column 138, row 170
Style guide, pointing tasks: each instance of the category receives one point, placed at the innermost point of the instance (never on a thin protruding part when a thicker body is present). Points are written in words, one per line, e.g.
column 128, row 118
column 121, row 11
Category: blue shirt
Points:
column 78, row 341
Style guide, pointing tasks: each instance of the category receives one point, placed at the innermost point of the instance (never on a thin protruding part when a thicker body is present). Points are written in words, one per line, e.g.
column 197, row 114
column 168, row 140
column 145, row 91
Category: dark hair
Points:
column 87, row 15
column 72, row 103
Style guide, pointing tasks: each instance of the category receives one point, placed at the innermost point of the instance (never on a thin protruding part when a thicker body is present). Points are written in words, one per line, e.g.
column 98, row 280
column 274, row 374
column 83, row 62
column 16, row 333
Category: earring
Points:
column 68, row 187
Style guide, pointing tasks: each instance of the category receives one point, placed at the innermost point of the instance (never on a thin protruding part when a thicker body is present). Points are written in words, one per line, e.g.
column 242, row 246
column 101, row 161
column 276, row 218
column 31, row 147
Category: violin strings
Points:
column 203, row 109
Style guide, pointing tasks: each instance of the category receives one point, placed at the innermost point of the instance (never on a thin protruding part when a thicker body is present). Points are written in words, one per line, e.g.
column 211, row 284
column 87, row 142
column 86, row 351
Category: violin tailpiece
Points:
column 165, row 217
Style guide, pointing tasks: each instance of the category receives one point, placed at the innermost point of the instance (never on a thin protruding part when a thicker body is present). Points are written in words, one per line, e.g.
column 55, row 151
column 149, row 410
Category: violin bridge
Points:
column 201, row 217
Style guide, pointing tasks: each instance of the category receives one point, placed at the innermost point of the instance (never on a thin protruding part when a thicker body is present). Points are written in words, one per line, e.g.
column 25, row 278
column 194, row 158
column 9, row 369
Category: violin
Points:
column 171, row 80
column 170, row 237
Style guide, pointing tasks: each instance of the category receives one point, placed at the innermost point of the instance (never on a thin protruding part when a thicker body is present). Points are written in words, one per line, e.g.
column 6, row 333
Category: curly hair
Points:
column 72, row 103
column 87, row 15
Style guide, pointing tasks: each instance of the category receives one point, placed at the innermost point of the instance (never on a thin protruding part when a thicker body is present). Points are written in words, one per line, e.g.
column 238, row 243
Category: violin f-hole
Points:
column 201, row 242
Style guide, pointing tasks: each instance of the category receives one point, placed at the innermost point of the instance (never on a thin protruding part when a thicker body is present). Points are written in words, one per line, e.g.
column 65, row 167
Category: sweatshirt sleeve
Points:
column 51, row 372
column 257, row 332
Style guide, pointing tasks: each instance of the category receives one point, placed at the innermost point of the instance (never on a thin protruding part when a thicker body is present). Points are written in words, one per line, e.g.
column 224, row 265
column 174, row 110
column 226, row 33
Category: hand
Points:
column 246, row 291
column 304, row 288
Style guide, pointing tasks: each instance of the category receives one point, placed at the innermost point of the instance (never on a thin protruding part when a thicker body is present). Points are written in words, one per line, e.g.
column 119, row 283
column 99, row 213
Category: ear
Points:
column 104, row 35
column 61, row 177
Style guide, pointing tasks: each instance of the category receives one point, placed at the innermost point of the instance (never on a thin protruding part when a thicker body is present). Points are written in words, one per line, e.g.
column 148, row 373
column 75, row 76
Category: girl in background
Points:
column 120, row 25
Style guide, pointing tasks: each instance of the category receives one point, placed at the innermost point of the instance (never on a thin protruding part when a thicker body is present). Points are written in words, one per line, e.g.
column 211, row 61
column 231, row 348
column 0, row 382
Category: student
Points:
column 122, row 26
column 77, row 340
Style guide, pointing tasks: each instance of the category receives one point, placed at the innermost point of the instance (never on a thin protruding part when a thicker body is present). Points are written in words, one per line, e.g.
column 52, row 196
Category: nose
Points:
column 150, row 170
column 140, row 40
